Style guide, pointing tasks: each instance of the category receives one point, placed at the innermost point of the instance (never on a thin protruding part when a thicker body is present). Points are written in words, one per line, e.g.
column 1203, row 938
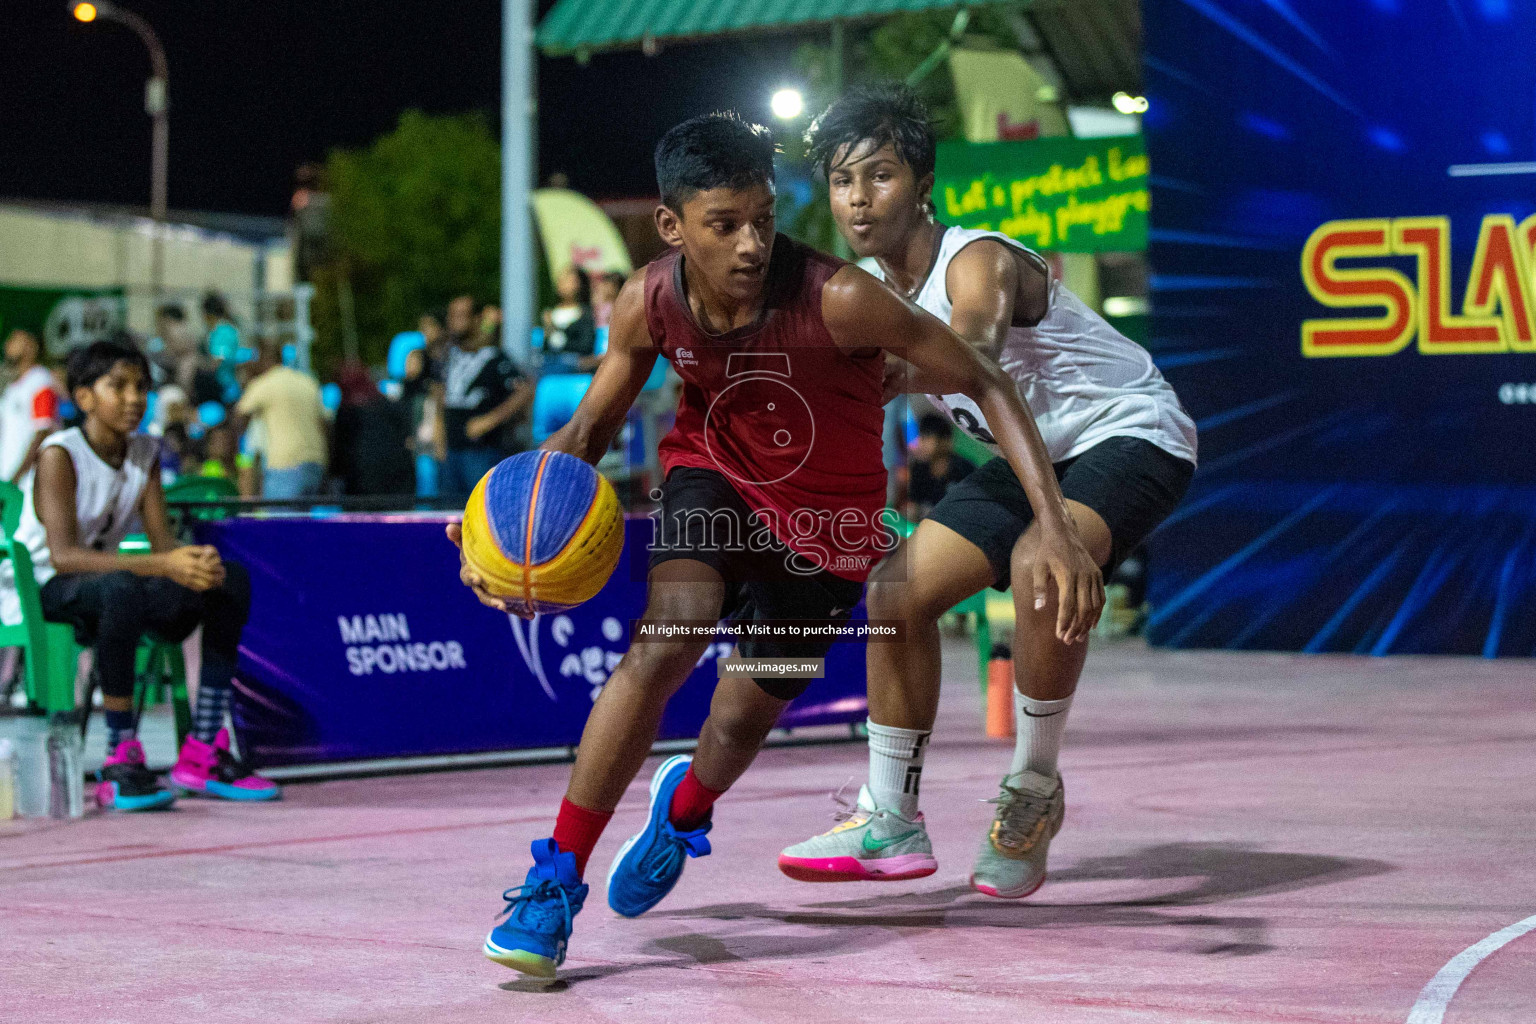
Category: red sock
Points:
column 691, row 801
column 577, row 830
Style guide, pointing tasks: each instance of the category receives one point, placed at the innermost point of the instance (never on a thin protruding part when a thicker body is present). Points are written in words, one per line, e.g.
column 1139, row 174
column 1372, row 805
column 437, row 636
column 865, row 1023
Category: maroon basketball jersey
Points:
column 792, row 421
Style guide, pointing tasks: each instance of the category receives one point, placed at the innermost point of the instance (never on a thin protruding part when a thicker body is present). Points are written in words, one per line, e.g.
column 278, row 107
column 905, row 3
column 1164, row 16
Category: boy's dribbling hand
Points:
column 196, row 567
column 475, row 583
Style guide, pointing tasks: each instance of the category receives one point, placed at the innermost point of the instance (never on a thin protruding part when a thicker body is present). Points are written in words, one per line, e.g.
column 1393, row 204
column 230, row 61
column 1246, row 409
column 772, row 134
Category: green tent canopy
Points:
column 586, row 26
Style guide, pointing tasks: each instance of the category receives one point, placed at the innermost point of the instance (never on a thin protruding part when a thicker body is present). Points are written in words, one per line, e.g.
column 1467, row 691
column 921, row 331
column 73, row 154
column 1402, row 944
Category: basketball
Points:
column 544, row 530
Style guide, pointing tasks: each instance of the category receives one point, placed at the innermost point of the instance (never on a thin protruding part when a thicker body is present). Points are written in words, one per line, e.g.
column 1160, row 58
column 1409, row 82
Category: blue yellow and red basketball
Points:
column 544, row 530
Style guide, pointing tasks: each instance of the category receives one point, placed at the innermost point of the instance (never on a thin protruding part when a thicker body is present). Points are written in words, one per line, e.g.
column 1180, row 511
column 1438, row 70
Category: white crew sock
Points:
column 1037, row 726
column 896, row 767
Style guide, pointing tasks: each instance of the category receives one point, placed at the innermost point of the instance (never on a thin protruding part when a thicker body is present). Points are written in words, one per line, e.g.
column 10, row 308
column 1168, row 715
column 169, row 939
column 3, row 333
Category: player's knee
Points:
column 739, row 727
column 124, row 600
column 661, row 666
column 1021, row 567
column 885, row 599
column 683, row 603
column 906, row 600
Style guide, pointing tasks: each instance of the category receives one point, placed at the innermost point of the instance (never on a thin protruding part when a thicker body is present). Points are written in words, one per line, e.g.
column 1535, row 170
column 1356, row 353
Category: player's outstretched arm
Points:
column 862, row 314
column 619, row 377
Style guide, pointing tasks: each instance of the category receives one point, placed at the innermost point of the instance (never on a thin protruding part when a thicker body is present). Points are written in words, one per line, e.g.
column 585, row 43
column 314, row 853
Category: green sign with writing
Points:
column 1068, row 195
column 62, row 317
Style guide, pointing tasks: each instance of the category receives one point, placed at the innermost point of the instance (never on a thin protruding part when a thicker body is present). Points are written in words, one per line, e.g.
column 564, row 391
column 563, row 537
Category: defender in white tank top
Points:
column 106, row 506
column 1117, row 456
column 1083, row 380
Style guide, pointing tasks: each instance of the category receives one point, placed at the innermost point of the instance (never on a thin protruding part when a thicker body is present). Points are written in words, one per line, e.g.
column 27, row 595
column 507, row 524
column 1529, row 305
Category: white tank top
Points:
column 1083, row 380
column 106, row 506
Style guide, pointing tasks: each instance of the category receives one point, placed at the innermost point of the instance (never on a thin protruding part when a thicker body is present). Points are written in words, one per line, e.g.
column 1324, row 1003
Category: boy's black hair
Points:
column 719, row 150
column 89, row 363
column 172, row 311
column 877, row 114
column 214, row 307
column 935, row 424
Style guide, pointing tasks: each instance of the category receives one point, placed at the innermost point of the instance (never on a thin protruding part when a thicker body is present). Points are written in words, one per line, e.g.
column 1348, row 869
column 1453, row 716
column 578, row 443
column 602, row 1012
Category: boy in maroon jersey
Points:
column 771, row 507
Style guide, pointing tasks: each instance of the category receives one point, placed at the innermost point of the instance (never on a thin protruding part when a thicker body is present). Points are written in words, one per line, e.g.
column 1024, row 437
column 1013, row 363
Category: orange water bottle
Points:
column 1000, row 693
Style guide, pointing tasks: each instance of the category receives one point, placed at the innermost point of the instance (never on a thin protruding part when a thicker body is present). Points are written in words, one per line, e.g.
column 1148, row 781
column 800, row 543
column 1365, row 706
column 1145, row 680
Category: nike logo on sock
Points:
column 1031, row 714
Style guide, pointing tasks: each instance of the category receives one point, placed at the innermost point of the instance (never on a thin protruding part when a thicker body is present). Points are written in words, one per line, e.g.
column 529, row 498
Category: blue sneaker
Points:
column 532, row 938
column 650, row 862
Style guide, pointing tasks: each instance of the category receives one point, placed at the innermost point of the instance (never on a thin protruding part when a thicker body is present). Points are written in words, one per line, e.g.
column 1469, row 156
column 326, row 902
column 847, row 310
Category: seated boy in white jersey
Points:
column 93, row 482
column 1121, row 446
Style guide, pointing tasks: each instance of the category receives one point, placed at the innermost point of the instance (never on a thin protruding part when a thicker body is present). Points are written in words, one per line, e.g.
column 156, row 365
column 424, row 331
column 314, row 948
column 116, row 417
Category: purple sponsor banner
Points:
column 363, row 644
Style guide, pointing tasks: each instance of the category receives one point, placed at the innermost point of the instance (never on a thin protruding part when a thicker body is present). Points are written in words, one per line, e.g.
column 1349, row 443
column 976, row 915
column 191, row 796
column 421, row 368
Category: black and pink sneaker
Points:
column 209, row 769
column 125, row 783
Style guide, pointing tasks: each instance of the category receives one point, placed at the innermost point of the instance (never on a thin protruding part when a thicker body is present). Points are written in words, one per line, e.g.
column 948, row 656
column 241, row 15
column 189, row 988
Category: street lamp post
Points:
column 157, row 106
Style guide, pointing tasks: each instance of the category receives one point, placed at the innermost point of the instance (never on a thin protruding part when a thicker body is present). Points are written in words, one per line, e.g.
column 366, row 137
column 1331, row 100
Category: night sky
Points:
column 261, row 86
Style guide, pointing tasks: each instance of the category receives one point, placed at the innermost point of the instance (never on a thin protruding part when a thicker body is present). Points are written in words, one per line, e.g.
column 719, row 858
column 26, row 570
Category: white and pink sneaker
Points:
column 867, row 845
column 211, row 770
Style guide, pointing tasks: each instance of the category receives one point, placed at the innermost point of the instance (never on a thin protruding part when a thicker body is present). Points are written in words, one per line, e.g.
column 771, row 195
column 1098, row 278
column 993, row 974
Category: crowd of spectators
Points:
column 231, row 405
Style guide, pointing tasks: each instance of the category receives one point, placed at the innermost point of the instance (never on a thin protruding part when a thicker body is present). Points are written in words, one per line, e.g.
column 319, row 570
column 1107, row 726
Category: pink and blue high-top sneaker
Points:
column 211, row 770
column 533, row 936
column 125, row 783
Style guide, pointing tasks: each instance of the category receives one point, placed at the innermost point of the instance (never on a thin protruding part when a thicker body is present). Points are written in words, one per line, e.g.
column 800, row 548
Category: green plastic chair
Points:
column 975, row 605
column 50, row 652
column 160, row 669
column 49, row 648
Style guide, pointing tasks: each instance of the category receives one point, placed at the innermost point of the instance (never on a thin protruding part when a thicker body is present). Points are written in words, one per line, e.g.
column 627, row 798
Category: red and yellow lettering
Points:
column 1354, row 287
column 1501, row 274
column 1440, row 333
column 1526, row 233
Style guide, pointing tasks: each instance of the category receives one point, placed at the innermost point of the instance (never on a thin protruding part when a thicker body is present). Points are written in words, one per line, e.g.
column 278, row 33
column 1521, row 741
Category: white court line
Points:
column 1430, row 1009
column 1478, row 170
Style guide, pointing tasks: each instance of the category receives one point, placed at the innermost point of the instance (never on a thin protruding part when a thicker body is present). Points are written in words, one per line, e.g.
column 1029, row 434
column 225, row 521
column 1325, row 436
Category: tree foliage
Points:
column 415, row 220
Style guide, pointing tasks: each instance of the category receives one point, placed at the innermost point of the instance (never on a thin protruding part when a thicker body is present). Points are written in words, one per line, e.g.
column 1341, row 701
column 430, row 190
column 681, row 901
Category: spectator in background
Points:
column 490, row 321
column 223, row 346
column 569, row 327
column 605, row 291
column 372, row 439
column 426, row 422
column 220, row 449
column 482, row 393
column 29, row 408
column 286, row 403
column 173, row 356
column 430, row 324
column 458, row 321
column 177, row 455
column 934, row 466
column 223, row 335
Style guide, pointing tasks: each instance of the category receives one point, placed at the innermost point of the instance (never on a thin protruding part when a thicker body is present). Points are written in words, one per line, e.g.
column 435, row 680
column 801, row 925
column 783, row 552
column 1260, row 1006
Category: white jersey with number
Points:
column 106, row 506
column 1083, row 380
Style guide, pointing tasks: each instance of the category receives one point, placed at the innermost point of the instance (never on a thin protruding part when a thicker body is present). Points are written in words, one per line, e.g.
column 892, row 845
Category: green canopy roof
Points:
column 587, row 26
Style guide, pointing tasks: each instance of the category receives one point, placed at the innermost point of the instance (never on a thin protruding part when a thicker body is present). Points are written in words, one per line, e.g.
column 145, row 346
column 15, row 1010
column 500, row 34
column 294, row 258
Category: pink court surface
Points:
column 1248, row 838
